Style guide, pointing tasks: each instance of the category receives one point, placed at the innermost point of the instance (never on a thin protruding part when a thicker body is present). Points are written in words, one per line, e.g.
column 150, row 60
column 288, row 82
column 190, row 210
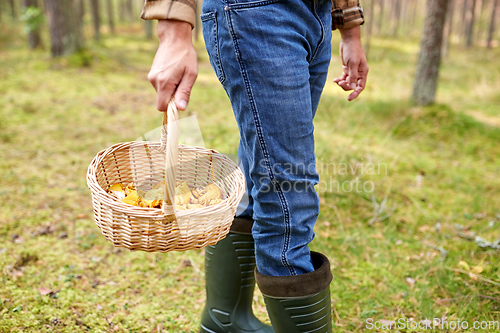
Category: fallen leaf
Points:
column 477, row 269
column 473, row 276
column 17, row 308
column 425, row 228
column 419, row 180
column 44, row 291
column 81, row 216
column 464, row 265
column 410, row 281
column 43, row 230
column 25, row 259
column 377, row 236
column 16, row 274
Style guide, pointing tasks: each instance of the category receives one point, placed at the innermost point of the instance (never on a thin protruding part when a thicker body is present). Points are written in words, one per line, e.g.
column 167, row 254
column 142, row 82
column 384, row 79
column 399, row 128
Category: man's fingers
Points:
column 359, row 88
column 363, row 75
column 344, row 85
column 162, row 99
column 164, row 94
column 184, row 89
column 342, row 80
column 353, row 74
column 355, row 93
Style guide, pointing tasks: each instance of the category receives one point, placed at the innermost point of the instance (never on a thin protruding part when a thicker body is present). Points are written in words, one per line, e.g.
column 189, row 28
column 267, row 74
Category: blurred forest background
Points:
column 423, row 242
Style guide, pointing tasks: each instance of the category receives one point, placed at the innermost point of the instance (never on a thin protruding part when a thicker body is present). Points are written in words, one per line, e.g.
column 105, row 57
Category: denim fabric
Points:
column 272, row 58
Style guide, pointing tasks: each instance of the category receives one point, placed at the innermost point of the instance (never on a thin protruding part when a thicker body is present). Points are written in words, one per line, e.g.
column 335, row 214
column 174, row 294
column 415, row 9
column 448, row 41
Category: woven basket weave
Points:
column 147, row 163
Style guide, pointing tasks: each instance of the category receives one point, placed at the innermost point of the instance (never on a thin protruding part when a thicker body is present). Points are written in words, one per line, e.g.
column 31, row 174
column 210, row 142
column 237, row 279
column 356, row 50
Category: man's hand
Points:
column 175, row 66
column 354, row 64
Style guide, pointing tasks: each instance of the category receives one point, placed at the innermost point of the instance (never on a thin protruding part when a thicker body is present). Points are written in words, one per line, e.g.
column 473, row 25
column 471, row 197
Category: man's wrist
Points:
column 351, row 34
column 169, row 29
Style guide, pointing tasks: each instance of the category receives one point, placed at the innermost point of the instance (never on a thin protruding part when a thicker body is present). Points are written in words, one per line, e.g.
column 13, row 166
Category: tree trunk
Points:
column 491, row 30
column 197, row 22
column 470, row 24
column 34, row 39
column 369, row 27
column 13, row 9
column 395, row 17
column 413, row 8
column 381, row 17
column 80, row 6
column 480, row 19
column 130, row 10
column 403, row 18
column 96, row 18
column 148, row 28
column 448, row 28
column 121, row 11
column 111, row 20
column 427, row 73
column 65, row 31
column 464, row 18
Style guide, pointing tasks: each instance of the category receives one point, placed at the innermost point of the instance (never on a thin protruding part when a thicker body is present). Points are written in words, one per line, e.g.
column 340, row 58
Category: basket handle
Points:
column 171, row 134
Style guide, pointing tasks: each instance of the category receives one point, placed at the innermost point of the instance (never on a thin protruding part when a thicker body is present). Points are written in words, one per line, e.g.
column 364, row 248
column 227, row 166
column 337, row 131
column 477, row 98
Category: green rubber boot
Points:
column 299, row 303
column 230, row 283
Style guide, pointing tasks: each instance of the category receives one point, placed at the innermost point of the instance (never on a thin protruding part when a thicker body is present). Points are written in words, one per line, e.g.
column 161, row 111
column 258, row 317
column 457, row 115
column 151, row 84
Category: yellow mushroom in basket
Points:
column 212, row 192
column 132, row 198
column 117, row 190
column 185, row 197
column 183, row 194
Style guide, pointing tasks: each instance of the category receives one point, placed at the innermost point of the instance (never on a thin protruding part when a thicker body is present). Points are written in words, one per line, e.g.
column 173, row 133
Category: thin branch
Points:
column 478, row 276
column 468, row 296
column 444, row 253
column 415, row 202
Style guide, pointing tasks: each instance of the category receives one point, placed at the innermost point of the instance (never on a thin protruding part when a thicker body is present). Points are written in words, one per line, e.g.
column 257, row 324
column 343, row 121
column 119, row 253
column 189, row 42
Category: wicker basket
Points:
column 147, row 163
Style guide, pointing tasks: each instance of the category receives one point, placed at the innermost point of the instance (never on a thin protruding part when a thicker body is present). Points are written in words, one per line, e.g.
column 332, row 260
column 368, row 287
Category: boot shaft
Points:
column 230, row 284
column 299, row 303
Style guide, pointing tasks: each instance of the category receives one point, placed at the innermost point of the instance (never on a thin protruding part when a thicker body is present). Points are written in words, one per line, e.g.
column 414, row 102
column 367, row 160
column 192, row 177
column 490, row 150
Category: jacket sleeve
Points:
column 182, row 10
column 346, row 14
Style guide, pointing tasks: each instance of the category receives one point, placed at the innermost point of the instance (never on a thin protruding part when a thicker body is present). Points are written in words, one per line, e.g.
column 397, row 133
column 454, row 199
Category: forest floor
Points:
column 414, row 240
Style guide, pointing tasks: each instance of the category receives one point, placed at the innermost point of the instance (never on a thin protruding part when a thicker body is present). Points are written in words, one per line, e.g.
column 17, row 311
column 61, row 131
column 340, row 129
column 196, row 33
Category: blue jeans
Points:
column 272, row 58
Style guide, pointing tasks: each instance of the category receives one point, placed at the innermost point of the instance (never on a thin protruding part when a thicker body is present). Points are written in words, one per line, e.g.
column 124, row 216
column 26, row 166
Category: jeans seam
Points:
column 322, row 31
column 262, row 144
column 215, row 31
column 251, row 4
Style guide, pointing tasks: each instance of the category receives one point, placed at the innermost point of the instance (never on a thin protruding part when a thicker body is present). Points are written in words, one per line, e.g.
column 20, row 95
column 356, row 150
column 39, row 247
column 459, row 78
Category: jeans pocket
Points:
column 210, row 35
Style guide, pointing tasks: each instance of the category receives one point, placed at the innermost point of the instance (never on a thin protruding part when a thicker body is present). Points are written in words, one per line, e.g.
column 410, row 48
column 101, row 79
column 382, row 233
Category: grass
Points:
column 401, row 243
